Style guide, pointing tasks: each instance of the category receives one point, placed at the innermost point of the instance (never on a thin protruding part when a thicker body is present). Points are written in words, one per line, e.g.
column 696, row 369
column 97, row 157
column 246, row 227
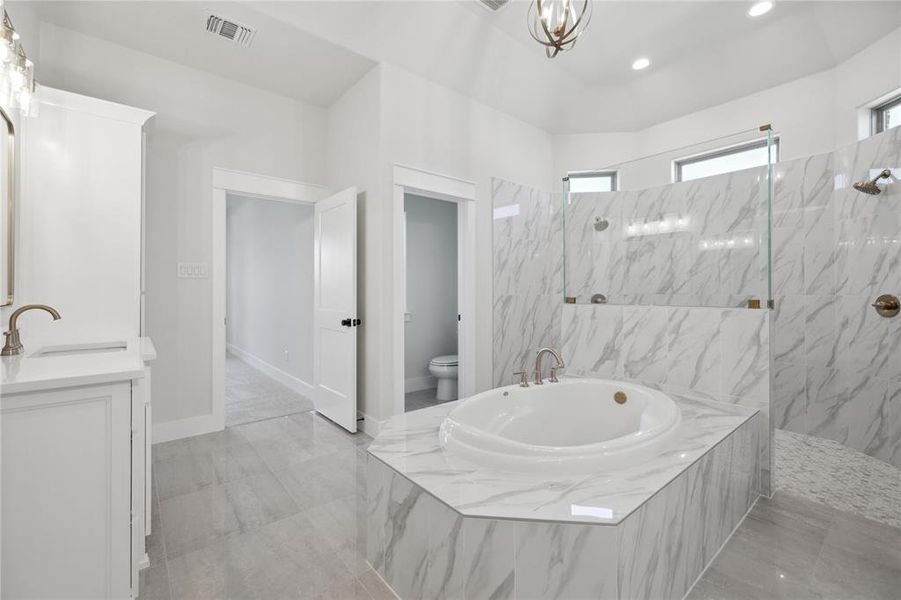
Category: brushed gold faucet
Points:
column 13, row 344
column 554, row 369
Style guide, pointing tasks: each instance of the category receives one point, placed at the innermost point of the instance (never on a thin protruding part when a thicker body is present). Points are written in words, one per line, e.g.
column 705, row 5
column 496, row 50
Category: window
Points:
column 725, row 160
column 888, row 115
column 592, row 181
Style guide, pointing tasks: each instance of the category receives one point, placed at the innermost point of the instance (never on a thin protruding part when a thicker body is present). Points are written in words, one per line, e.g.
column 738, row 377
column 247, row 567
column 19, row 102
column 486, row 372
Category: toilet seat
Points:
column 448, row 360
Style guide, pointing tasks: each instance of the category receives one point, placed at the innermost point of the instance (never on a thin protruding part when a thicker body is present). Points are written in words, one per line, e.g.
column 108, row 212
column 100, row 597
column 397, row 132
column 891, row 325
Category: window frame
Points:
column 612, row 174
column 879, row 111
column 679, row 163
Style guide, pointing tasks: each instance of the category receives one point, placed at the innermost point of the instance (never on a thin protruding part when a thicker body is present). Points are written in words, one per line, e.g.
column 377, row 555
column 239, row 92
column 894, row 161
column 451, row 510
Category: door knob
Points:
column 887, row 305
column 346, row 322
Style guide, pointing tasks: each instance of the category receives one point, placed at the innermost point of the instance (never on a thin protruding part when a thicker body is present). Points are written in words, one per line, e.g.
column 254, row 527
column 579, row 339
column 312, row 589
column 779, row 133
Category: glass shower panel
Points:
column 656, row 241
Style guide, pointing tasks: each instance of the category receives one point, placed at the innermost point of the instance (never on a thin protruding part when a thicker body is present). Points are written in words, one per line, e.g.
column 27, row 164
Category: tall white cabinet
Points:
column 79, row 243
column 74, row 424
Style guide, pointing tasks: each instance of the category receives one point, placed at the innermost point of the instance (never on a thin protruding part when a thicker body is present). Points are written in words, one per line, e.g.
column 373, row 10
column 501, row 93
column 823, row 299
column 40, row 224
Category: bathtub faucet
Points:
column 554, row 369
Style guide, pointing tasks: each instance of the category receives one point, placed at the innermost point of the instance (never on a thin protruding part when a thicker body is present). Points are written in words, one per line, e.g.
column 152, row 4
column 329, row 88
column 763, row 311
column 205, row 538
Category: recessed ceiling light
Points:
column 641, row 63
column 761, row 8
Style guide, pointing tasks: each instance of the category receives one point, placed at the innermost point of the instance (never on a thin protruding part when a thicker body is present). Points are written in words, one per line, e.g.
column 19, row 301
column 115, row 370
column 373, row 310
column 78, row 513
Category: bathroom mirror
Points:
column 7, row 208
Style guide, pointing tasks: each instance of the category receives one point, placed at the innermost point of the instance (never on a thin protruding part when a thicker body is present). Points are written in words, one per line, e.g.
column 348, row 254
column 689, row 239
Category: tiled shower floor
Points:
column 830, row 473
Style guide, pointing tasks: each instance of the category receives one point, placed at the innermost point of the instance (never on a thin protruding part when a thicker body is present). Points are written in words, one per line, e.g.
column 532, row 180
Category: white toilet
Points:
column 444, row 368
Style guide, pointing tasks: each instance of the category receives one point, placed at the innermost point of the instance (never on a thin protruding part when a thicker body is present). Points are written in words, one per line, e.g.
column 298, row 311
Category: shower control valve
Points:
column 887, row 305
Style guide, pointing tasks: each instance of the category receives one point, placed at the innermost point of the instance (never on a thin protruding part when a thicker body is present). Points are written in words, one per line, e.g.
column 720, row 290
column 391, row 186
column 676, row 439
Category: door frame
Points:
column 252, row 185
column 451, row 189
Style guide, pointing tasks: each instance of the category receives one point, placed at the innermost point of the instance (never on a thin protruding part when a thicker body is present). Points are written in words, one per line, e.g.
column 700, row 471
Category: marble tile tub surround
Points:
column 837, row 372
column 528, row 274
column 424, row 548
column 720, row 353
column 694, row 243
column 409, row 444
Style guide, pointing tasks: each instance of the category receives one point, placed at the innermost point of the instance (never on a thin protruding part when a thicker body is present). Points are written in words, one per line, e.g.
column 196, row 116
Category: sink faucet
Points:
column 13, row 344
column 560, row 365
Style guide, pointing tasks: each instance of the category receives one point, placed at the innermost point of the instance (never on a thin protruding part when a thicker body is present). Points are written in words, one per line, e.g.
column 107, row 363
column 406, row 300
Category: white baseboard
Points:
column 414, row 384
column 298, row 385
column 371, row 426
column 182, row 428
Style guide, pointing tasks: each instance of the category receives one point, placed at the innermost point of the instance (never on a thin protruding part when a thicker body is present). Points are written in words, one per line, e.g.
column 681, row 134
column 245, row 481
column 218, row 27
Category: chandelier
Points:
column 16, row 71
column 557, row 24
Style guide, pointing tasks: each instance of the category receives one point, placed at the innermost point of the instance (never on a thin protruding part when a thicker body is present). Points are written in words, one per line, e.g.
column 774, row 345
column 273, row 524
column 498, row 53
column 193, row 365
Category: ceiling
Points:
column 282, row 59
column 670, row 33
column 702, row 53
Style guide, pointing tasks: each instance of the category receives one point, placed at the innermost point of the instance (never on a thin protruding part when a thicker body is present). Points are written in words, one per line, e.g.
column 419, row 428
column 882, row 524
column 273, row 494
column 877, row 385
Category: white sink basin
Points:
column 81, row 349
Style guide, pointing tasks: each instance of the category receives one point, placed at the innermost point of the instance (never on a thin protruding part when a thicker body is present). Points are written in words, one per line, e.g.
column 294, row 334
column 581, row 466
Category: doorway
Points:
column 412, row 361
column 318, row 363
column 431, row 316
column 269, row 308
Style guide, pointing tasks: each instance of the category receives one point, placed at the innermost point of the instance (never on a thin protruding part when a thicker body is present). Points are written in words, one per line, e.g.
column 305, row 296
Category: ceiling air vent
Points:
column 493, row 5
column 235, row 32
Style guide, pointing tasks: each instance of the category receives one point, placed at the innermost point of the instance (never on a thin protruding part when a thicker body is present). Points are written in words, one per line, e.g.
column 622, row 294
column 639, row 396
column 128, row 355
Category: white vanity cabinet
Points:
column 73, row 488
column 75, row 406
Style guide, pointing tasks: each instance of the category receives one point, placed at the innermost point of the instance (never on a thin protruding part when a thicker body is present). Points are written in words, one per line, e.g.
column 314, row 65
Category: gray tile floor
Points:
column 251, row 395
column 789, row 548
column 276, row 509
column 271, row 509
column 421, row 399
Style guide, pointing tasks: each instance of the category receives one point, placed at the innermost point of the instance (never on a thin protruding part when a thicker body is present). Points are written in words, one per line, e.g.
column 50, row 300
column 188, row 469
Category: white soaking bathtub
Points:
column 575, row 425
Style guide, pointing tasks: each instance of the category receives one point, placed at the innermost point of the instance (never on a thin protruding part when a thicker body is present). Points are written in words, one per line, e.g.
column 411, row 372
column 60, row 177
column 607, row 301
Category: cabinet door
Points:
column 66, row 493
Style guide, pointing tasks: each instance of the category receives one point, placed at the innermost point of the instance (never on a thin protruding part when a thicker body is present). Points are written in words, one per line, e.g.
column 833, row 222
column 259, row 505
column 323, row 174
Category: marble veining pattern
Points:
column 669, row 541
column 721, row 353
column 836, row 375
column 714, row 351
column 701, row 243
column 528, row 274
column 424, row 548
column 409, row 444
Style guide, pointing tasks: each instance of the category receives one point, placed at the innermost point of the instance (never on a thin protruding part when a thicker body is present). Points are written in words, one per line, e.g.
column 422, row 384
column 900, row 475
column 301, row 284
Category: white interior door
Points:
column 335, row 305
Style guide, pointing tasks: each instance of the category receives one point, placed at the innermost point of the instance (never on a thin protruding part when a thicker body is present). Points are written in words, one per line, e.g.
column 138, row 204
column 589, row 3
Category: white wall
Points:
column 431, row 287
column 812, row 115
column 394, row 117
column 203, row 121
column 430, row 127
column 269, row 301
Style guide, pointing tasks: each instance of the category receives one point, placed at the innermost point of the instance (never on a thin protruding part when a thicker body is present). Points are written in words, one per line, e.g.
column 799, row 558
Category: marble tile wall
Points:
column 695, row 243
column 837, row 371
column 719, row 353
column 668, row 542
column 681, row 348
column 528, row 275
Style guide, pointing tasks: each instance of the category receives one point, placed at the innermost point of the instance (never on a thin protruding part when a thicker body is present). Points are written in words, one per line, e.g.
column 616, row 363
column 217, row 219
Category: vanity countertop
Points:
column 409, row 444
column 30, row 372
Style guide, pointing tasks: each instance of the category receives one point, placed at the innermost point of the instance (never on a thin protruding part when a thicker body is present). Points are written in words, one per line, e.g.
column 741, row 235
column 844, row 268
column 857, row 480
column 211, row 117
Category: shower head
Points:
column 870, row 187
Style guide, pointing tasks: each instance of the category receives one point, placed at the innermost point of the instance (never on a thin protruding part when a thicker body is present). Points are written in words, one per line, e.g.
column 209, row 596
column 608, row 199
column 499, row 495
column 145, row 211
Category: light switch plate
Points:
column 193, row 271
